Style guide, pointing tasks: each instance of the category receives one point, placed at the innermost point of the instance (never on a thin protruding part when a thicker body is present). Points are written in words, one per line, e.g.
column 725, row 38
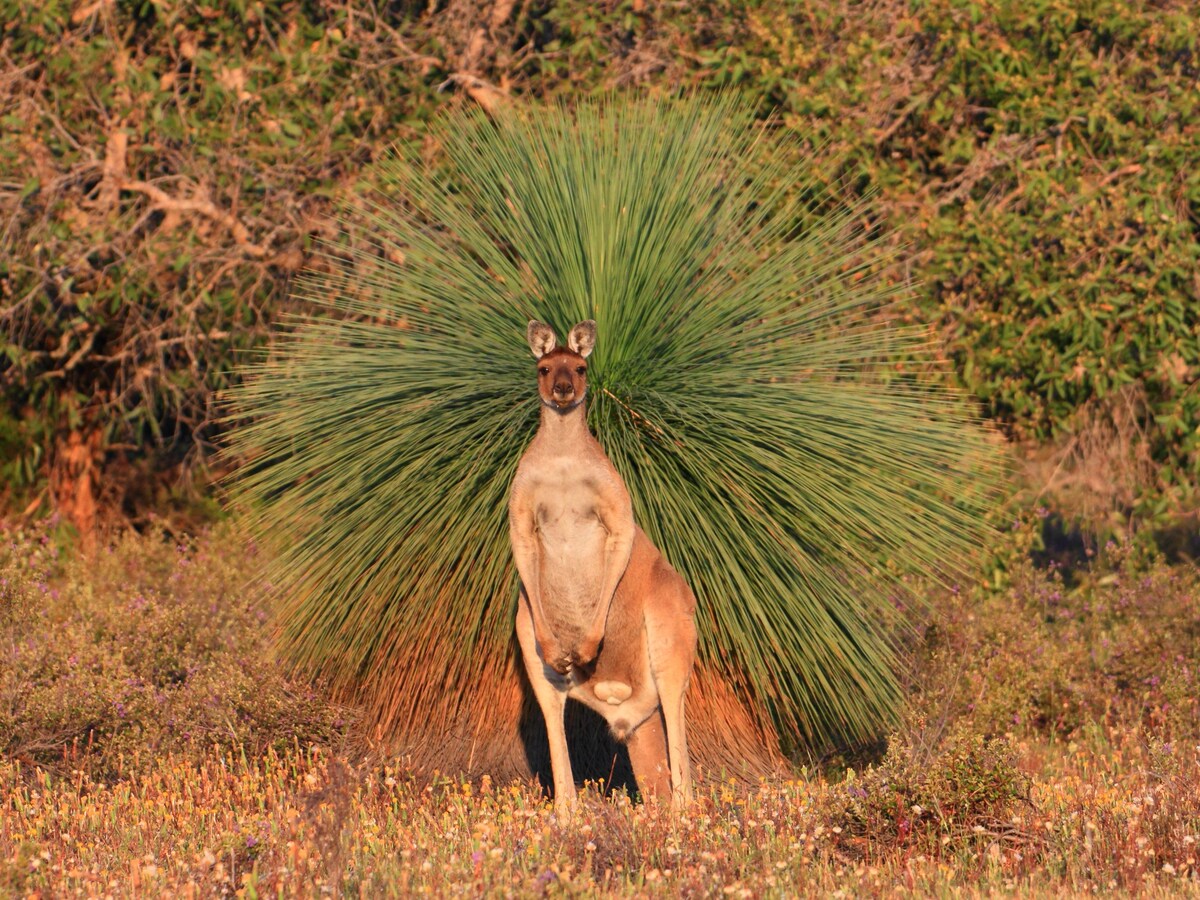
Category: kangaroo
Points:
column 602, row 617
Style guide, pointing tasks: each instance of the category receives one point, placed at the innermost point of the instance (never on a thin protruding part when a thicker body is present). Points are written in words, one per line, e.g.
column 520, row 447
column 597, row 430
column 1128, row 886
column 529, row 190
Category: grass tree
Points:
column 778, row 438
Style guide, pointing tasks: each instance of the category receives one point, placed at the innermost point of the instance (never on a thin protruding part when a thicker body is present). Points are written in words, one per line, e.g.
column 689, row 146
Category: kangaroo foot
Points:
column 612, row 692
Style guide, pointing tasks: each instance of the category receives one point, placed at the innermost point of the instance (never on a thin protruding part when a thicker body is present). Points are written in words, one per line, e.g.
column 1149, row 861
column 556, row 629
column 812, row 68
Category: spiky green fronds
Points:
column 740, row 385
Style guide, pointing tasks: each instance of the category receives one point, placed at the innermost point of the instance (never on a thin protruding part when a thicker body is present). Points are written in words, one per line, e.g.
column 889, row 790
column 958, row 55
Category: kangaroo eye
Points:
column 582, row 370
column 543, row 370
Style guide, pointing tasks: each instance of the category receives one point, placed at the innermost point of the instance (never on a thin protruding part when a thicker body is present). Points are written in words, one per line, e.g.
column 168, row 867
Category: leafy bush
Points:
column 930, row 796
column 172, row 165
column 151, row 647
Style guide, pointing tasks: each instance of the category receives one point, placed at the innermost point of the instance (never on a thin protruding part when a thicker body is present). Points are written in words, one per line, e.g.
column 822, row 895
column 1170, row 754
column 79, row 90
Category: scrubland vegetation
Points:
column 150, row 743
column 169, row 168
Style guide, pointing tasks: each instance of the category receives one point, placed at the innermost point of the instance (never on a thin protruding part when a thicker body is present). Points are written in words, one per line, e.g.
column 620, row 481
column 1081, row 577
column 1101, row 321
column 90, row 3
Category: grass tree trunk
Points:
column 502, row 733
column 75, row 479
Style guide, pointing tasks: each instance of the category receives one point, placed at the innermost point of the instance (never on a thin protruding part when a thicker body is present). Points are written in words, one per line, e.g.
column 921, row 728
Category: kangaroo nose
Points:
column 563, row 387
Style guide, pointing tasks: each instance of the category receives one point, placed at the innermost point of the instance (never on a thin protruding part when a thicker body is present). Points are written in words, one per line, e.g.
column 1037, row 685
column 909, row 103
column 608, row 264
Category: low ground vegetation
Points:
column 1051, row 747
column 154, row 646
column 173, row 167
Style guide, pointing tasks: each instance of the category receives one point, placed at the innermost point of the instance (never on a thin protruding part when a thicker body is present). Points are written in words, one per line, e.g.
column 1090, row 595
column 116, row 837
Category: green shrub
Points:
column 149, row 647
column 176, row 163
column 929, row 797
column 1039, row 160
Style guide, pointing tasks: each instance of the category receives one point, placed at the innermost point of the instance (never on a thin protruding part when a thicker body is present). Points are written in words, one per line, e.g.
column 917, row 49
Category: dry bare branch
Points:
column 161, row 200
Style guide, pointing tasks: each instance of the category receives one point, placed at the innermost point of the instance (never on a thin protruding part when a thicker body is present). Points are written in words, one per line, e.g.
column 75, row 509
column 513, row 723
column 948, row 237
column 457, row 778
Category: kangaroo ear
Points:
column 583, row 337
column 541, row 338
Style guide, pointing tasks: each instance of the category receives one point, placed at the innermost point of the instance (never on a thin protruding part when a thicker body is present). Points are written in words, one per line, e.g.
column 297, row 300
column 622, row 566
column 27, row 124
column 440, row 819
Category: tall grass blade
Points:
column 745, row 384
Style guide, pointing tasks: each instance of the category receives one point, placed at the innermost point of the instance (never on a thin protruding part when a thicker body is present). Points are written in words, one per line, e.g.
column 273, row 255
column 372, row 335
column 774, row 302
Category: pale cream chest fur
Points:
column 565, row 504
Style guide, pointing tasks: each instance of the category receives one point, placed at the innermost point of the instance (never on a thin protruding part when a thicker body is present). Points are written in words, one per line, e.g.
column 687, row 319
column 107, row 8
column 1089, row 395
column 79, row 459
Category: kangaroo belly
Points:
column 572, row 570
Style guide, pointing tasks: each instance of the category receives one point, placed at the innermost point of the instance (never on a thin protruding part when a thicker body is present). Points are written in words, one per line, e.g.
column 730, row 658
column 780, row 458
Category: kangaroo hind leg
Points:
column 552, row 701
column 671, row 643
column 647, row 748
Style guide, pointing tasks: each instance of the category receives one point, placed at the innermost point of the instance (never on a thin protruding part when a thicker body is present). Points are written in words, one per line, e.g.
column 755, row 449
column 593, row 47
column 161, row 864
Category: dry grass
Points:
column 1052, row 749
column 1100, row 468
column 1102, row 815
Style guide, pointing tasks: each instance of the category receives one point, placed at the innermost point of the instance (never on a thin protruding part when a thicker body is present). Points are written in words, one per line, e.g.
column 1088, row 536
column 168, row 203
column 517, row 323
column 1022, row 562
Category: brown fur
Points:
column 603, row 618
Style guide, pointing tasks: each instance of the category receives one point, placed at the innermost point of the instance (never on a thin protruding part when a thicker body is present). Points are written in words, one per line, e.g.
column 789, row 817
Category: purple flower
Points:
column 477, row 857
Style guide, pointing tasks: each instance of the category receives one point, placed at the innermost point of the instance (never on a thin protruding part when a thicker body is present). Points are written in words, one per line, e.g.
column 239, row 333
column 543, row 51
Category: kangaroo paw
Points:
column 586, row 652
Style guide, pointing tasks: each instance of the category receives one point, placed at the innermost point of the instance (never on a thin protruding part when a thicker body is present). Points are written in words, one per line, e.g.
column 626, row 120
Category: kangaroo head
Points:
column 562, row 371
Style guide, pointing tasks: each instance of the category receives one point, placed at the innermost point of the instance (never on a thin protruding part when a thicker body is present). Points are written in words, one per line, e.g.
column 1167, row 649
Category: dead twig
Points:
column 89, row 10
column 161, row 200
column 488, row 96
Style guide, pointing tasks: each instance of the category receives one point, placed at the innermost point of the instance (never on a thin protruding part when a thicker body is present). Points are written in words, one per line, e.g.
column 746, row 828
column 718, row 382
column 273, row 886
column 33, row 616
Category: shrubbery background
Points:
column 168, row 168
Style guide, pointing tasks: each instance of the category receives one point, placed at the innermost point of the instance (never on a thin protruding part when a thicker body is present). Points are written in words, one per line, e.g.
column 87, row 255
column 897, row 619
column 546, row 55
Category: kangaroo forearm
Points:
column 526, row 557
column 537, row 610
column 601, row 617
column 616, row 561
column 540, row 626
